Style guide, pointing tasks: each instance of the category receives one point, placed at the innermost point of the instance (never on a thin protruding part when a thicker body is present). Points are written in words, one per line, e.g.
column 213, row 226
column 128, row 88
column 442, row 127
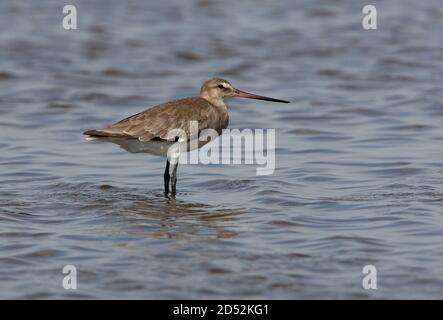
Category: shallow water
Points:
column 359, row 157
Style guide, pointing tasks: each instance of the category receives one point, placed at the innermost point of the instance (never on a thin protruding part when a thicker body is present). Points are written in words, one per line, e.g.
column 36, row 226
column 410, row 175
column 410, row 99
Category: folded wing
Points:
column 158, row 121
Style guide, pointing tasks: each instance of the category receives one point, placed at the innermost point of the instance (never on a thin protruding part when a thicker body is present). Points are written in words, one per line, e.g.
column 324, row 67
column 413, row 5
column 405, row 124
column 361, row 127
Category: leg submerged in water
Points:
column 166, row 177
column 174, row 179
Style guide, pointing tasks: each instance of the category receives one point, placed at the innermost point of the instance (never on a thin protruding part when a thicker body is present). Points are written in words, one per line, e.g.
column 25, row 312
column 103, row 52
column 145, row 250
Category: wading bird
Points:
column 156, row 123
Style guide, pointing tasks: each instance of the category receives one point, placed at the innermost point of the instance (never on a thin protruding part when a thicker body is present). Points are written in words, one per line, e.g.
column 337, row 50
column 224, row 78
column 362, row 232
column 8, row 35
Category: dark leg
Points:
column 166, row 177
column 174, row 178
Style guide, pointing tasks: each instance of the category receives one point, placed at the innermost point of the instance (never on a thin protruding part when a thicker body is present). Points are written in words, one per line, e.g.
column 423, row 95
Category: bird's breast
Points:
column 218, row 118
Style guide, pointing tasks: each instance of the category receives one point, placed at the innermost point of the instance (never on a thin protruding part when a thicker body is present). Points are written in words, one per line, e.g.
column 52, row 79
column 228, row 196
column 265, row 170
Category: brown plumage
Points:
column 155, row 123
column 208, row 109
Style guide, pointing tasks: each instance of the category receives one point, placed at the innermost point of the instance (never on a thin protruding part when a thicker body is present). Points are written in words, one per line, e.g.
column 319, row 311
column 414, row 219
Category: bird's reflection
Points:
column 165, row 217
column 168, row 218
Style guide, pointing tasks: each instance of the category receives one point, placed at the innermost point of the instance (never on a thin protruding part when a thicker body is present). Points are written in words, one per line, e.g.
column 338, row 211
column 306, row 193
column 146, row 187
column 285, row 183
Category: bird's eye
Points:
column 221, row 86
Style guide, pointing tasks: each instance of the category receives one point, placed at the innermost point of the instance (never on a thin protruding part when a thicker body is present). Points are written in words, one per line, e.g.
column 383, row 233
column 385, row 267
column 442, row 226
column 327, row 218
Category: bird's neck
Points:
column 218, row 102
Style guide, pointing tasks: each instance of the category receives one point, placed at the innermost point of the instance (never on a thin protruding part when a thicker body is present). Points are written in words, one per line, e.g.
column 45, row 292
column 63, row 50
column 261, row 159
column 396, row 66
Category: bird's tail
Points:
column 105, row 133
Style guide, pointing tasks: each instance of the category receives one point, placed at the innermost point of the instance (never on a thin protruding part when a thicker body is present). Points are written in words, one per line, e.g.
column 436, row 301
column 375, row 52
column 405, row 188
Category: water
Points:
column 359, row 158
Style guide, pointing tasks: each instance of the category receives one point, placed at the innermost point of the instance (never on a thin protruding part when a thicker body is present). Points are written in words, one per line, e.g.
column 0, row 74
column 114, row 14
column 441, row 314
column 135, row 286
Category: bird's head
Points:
column 219, row 89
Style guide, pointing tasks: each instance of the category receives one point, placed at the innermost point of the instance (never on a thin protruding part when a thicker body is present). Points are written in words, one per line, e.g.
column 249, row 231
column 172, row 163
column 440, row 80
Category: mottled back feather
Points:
column 158, row 121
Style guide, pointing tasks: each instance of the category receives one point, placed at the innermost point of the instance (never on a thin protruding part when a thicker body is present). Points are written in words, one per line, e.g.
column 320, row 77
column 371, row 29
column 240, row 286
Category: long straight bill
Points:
column 244, row 94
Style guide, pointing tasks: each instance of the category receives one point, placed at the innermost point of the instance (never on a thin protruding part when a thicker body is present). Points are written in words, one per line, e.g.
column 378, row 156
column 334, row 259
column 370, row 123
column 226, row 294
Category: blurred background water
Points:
column 359, row 158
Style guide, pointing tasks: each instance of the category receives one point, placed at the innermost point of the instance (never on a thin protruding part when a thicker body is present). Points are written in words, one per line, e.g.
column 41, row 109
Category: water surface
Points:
column 359, row 158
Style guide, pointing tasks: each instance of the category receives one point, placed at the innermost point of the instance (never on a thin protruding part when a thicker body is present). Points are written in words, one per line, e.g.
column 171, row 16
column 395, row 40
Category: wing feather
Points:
column 158, row 121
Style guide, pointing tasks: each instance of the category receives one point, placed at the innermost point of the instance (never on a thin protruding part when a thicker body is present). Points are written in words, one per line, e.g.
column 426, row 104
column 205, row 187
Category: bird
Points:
column 155, row 123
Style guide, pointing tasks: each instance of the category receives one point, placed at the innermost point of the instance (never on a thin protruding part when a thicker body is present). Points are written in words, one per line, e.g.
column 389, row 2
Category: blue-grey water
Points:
column 359, row 152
